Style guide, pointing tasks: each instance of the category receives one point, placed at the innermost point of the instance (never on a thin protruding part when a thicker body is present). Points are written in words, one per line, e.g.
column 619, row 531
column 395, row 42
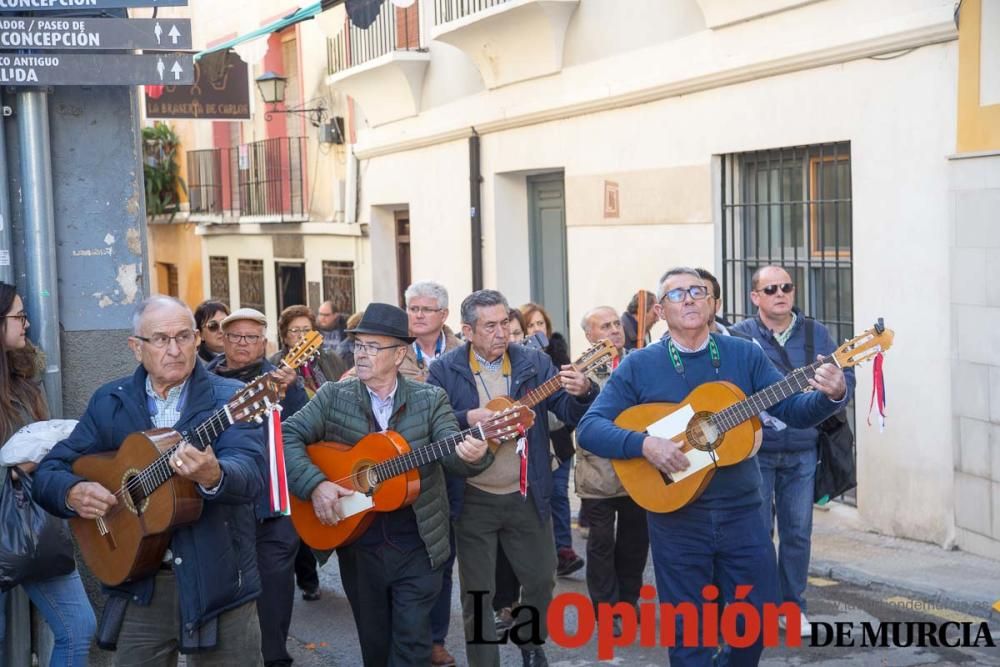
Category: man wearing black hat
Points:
column 392, row 572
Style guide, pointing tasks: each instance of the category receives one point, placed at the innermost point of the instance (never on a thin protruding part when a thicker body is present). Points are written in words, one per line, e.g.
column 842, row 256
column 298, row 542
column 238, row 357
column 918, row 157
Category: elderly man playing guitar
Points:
column 720, row 537
column 199, row 598
column 392, row 570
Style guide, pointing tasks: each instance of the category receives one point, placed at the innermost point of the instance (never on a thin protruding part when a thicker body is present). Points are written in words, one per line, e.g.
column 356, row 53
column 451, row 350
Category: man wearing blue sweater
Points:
column 720, row 537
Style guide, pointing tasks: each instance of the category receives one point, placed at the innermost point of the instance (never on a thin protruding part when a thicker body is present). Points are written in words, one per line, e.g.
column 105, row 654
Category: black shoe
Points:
column 534, row 658
column 312, row 595
column 568, row 562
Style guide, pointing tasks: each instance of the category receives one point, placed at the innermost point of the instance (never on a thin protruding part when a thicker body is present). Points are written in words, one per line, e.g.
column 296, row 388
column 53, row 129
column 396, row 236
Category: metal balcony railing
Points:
column 263, row 179
column 452, row 10
column 395, row 29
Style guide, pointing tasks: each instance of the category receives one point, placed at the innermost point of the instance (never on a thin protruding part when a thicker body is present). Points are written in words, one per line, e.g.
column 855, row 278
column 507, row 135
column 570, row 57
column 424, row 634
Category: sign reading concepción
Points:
column 50, row 5
column 22, row 32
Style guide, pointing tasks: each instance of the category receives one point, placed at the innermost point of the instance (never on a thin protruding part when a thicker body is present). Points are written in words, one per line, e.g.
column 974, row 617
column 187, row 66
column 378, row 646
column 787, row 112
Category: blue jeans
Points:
column 560, row 505
column 788, row 493
column 695, row 547
column 65, row 606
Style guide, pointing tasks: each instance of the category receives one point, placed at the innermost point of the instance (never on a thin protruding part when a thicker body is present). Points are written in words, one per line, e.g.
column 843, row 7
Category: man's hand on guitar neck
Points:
column 829, row 379
column 326, row 502
column 471, row 450
column 478, row 415
column 200, row 467
column 573, row 381
column 285, row 376
column 665, row 455
column 90, row 500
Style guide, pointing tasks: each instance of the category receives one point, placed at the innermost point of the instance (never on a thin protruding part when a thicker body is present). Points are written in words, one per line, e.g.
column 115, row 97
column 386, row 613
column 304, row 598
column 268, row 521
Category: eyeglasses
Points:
column 300, row 330
column 696, row 292
column 423, row 310
column 371, row 349
column 20, row 316
column 161, row 341
column 235, row 339
column 771, row 290
column 213, row 325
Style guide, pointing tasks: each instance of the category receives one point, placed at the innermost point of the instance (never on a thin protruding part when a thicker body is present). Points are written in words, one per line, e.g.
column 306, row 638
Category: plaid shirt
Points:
column 165, row 412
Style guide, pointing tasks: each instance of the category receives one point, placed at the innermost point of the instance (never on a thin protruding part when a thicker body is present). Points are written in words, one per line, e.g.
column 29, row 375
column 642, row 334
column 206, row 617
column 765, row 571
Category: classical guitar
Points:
column 717, row 425
column 382, row 467
column 129, row 541
column 602, row 352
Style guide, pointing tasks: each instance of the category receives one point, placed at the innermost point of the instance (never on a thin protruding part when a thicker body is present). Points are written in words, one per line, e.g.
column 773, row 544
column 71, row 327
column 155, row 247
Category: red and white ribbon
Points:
column 522, row 450
column 277, row 479
column 878, row 393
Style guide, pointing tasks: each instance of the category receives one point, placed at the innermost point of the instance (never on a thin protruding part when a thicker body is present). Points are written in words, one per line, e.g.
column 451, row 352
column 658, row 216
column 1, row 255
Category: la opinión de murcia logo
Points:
column 739, row 624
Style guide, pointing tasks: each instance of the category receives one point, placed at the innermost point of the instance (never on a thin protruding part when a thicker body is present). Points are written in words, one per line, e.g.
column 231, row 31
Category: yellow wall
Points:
column 177, row 244
column 978, row 126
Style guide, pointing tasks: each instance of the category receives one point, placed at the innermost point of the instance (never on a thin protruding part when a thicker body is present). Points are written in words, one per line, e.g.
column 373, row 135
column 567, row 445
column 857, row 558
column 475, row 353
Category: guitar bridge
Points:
column 105, row 532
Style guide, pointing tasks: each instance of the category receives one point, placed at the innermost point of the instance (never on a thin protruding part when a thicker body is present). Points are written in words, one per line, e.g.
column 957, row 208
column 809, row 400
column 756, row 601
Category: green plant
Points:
column 161, row 170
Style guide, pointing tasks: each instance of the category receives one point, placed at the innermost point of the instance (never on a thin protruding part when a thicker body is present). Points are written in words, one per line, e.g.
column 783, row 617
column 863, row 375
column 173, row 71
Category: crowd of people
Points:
column 224, row 592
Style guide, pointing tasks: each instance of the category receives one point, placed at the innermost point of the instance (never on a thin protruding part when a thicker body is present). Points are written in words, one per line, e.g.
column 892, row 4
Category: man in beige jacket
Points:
column 615, row 558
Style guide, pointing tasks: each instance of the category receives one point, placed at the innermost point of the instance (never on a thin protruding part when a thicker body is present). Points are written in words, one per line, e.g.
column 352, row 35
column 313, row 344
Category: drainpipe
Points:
column 6, row 238
column 475, row 210
column 42, row 293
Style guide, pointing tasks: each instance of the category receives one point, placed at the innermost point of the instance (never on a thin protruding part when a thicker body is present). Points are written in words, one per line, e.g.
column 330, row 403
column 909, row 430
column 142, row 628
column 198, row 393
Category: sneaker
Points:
column 568, row 562
column 503, row 619
column 534, row 658
column 312, row 594
column 440, row 656
column 805, row 629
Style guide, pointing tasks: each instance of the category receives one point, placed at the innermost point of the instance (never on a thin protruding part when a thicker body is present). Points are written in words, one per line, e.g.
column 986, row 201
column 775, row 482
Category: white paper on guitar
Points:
column 355, row 504
column 676, row 424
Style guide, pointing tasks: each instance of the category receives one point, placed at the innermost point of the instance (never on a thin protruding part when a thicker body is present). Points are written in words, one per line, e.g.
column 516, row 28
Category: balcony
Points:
column 508, row 40
column 382, row 67
column 258, row 182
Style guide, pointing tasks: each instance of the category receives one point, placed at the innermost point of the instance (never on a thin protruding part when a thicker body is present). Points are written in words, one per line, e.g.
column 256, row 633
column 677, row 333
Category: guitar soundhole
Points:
column 365, row 479
column 702, row 433
column 135, row 500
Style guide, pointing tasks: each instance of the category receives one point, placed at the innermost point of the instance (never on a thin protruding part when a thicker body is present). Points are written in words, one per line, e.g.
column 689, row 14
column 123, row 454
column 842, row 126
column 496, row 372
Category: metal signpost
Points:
column 63, row 5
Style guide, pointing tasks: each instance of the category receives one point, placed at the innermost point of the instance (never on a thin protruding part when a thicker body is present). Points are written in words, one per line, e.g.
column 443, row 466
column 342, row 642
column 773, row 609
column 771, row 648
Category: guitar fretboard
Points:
column 424, row 455
column 753, row 405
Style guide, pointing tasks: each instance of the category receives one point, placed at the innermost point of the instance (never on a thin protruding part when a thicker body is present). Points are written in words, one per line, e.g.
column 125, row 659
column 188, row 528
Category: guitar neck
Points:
column 753, row 405
column 203, row 435
column 424, row 455
column 540, row 393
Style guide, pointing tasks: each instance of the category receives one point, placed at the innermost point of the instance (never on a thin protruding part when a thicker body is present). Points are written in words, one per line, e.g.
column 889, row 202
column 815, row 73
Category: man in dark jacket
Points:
column 201, row 601
column 392, row 571
column 244, row 339
column 493, row 507
column 787, row 455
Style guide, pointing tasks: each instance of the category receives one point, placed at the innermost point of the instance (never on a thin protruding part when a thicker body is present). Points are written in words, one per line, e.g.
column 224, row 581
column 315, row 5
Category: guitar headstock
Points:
column 509, row 423
column 865, row 346
column 305, row 350
column 254, row 401
column 600, row 353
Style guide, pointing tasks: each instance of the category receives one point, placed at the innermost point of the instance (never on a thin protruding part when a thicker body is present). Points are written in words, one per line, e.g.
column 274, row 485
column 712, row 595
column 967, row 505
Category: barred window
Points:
column 252, row 284
column 218, row 279
column 790, row 207
column 338, row 285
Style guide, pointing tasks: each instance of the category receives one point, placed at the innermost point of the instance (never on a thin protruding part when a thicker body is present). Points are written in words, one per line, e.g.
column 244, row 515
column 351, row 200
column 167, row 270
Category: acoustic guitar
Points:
column 600, row 353
column 717, row 425
column 129, row 541
column 383, row 467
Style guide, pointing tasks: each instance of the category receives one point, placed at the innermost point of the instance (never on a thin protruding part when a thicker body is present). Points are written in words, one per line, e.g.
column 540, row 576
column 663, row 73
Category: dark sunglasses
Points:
column 771, row 290
column 213, row 325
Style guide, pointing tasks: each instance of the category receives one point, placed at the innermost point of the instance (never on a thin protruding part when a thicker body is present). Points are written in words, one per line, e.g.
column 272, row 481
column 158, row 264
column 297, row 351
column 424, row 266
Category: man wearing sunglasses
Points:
column 244, row 335
column 787, row 456
column 720, row 538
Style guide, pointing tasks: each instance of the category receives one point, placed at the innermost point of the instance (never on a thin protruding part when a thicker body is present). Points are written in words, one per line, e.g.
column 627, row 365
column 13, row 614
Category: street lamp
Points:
column 272, row 91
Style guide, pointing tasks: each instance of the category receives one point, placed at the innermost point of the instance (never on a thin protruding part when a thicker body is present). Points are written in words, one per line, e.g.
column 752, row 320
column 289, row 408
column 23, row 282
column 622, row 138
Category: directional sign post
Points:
column 96, row 70
column 23, row 32
column 59, row 5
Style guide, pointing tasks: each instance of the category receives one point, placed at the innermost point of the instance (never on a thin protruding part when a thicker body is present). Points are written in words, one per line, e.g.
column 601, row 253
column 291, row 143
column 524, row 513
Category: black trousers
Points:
column 277, row 544
column 616, row 555
column 306, row 574
column 392, row 594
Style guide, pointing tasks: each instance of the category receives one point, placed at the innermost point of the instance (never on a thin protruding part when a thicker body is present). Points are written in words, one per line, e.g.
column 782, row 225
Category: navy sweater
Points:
column 648, row 376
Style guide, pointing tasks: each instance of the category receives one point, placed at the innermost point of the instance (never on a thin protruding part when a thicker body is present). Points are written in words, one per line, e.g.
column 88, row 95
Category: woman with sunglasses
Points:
column 61, row 600
column 208, row 320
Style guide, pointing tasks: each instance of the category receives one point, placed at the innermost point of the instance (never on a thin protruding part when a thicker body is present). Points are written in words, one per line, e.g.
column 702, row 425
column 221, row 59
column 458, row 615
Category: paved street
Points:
column 323, row 632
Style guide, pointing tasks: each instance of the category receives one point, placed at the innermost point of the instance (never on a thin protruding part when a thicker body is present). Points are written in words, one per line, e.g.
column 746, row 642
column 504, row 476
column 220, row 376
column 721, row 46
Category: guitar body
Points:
column 499, row 404
column 348, row 466
column 136, row 535
column 656, row 492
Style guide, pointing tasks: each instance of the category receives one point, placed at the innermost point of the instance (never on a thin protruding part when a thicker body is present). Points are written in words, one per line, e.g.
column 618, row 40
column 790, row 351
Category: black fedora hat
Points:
column 383, row 319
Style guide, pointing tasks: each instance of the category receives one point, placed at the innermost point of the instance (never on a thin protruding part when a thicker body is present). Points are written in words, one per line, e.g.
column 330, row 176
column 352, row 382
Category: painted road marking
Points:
column 821, row 582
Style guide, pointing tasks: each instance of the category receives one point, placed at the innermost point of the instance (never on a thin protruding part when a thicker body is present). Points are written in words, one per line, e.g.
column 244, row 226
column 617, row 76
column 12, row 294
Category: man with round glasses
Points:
column 392, row 572
column 787, row 455
column 719, row 538
column 244, row 340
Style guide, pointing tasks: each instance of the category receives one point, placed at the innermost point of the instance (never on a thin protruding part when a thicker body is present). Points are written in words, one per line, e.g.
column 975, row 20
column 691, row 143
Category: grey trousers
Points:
column 149, row 635
column 529, row 545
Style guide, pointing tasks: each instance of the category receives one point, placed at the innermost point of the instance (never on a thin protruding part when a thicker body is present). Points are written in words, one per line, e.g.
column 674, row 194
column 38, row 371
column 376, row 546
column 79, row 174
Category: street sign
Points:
column 51, row 5
column 22, row 32
column 95, row 70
